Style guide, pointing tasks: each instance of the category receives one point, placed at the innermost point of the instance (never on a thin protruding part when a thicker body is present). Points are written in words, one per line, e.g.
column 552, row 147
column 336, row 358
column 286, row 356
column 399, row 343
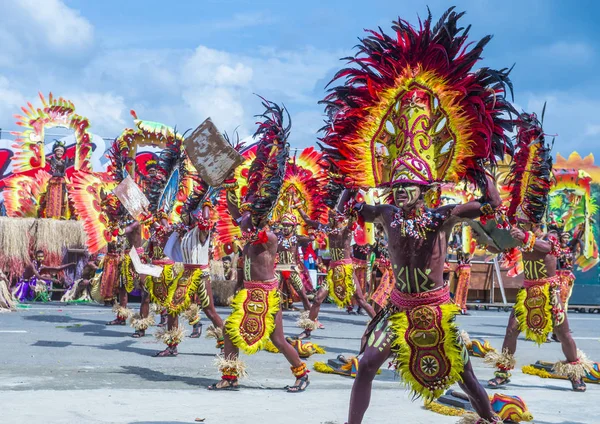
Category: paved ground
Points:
column 61, row 364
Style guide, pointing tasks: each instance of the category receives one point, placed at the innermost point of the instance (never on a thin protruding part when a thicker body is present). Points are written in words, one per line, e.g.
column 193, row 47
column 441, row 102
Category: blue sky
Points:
column 180, row 61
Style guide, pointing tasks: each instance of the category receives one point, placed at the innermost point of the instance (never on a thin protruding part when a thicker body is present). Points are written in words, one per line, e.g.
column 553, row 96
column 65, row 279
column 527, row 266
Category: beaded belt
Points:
column 410, row 301
column 347, row 261
column 266, row 285
column 541, row 281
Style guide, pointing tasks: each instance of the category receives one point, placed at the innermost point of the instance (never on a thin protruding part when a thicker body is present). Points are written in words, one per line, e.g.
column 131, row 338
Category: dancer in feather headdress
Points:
column 256, row 313
column 539, row 308
column 302, row 188
column 108, row 226
column 412, row 112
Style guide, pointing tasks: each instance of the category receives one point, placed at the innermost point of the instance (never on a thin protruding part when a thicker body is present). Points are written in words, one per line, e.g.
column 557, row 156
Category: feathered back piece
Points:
column 303, row 185
column 227, row 230
column 118, row 155
column 268, row 169
column 411, row 109
column 531, row 172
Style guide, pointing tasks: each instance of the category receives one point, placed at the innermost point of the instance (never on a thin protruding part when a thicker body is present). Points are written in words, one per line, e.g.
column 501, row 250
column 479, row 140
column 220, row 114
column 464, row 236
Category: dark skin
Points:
column 541, row 252
column 133, row 235
column 340, row 245
column 418, row 266
column 288, row 256
column 260, row 264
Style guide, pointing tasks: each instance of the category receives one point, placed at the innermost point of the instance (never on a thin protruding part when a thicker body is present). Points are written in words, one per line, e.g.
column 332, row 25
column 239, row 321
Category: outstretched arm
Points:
column 542, row 246
column 476, row 208
column 311, row 223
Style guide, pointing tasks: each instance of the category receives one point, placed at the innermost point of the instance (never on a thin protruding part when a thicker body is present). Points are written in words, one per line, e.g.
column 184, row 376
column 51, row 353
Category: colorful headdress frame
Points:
column 531, row 172
column 55, row 112
column 411, row 109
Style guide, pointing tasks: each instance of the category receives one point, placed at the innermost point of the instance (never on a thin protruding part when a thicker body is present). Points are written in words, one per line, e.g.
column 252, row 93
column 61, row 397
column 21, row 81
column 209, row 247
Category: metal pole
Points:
column 500, row 283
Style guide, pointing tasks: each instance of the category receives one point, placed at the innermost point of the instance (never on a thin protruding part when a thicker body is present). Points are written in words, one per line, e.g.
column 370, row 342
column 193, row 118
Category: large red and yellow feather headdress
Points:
column 303, row 184
column 411, row 108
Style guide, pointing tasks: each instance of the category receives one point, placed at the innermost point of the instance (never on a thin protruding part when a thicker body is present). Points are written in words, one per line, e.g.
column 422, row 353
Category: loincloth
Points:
column 462, row 286
column 175, row 287
column 381, row 295
column 340, row 282
column 538, row 308
column 293, row 277
column 428, row 352
column 252, row 319
column 567, row 279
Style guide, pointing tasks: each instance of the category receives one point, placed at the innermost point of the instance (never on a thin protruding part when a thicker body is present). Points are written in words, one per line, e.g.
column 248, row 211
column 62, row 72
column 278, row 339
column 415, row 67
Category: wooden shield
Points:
column 132, row 197
column 490, row 235
column 212, row 156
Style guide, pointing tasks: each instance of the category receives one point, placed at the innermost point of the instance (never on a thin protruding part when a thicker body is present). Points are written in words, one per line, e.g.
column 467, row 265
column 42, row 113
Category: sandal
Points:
column 578, row 385
column 299, row 388
column 168, row 352
column 138, row 334
column 319, row 325
column 196, row 332
column 498, row 381
column 304, row 335
column 231, row 385
column 116, row 322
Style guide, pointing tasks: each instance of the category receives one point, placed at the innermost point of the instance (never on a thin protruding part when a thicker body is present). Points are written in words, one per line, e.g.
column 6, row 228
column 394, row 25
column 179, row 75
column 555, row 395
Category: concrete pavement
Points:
column 61, row 364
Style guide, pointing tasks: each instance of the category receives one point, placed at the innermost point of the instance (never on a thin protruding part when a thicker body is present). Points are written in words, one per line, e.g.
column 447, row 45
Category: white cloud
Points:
column 63, row 28
column 12, row 99
column 107, row 112
column 568, row 51
column 243, row 20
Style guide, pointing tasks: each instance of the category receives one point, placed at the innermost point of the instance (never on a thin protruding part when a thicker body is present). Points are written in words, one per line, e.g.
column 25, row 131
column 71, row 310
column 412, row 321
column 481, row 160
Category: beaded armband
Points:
column 529, row 242
column 230, row 185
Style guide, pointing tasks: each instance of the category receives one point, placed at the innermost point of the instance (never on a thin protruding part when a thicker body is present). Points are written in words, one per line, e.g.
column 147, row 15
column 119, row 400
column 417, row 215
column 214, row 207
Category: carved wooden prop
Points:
column 212, row 156
column 132, row 197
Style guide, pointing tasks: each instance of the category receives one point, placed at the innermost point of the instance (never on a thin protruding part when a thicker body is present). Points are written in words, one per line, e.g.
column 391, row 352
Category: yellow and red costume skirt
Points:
column 340, row 282
column 463, row 272
column 252, row 319
column 109, row 282
column 174, row 289
column 538, row 308
column 429, row 354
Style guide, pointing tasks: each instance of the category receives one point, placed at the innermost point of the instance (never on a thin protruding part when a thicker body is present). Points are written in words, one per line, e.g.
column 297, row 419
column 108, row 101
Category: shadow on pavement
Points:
column 154, row 376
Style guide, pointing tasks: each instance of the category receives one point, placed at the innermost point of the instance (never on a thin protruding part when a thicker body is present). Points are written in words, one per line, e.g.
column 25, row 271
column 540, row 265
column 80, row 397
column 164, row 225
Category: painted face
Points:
column 287, row 229
column 39, row 257
column 59, row 152
column 565, row 238
column 406, row 195
column 152, row 172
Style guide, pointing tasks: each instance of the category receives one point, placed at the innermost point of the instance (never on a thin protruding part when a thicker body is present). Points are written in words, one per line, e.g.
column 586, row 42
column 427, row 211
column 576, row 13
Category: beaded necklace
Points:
column 287, row 242
column 416, row 224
